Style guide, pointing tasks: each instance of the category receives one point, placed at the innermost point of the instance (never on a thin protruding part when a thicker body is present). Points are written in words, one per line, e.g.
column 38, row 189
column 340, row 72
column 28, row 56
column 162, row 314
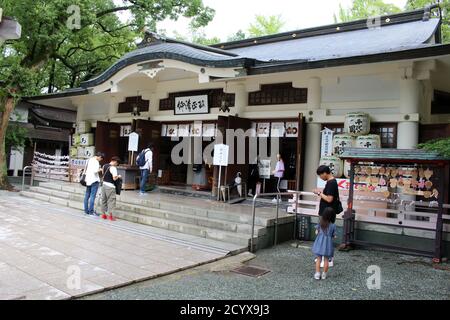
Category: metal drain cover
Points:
column 251, row 271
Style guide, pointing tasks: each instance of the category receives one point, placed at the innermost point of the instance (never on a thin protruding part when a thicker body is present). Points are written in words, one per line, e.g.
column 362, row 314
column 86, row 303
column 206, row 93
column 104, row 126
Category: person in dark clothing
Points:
column 253, row 178
column 329, row 196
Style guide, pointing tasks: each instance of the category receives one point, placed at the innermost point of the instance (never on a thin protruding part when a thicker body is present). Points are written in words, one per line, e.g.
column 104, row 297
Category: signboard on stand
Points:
column 327, row 143
column 221, row 155
column 220, row 159
column 133, row 142
column 264, row 169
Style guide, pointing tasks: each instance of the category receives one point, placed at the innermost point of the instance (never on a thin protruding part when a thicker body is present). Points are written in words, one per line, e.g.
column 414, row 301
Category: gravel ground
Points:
column 402, row 278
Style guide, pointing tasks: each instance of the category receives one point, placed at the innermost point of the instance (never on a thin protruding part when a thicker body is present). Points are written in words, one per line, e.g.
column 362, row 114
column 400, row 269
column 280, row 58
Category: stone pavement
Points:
column 403, row 277
column 53, row 252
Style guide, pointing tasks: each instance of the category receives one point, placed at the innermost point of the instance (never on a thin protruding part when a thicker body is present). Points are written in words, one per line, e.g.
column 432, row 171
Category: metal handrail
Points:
column 24, row 174
column 278, row 195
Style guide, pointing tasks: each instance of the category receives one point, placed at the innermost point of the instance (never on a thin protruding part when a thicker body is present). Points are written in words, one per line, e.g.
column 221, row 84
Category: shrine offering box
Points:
column 129, row 175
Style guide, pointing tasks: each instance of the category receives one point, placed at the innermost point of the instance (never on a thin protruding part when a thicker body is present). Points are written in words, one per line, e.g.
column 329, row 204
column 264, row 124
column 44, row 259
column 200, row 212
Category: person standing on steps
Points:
column 145, row 162
column 92, row 182
column 278, row 174
column 110, row 178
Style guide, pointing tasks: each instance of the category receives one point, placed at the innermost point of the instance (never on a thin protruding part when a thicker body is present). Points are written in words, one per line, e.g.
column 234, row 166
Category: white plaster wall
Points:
column 372, row 88
column 361, row 88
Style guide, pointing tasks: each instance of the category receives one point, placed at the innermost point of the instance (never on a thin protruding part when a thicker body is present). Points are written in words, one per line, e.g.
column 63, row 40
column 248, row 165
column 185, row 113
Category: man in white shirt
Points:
column 147, row 168
column 92, row 182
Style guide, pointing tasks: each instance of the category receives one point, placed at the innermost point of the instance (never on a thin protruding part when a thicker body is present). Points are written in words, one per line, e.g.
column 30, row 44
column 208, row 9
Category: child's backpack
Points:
column 140, row 161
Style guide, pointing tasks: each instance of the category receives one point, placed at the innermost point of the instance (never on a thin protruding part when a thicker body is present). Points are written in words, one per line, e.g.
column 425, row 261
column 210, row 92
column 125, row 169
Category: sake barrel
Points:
column 341, row 141
column 87, row 139
column 89, row 152
column 73, row 152
column 371, row 141
column 81, row 152
column 76, row 139
column 335, row 164
column 357, row 123
column 83, row 127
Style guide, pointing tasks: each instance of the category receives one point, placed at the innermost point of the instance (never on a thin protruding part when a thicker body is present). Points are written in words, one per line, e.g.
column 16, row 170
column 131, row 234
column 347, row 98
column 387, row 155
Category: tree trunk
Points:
column 8, row 108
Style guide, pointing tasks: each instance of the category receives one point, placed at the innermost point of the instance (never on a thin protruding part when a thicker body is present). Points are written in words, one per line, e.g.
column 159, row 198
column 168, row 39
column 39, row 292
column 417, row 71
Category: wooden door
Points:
column 149, row 131
column 107, row 139
column 300, row 152
column 235, row 123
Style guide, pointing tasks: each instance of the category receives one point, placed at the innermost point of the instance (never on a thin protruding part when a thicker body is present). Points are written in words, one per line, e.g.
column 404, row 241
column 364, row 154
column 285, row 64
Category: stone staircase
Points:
column 196, row 217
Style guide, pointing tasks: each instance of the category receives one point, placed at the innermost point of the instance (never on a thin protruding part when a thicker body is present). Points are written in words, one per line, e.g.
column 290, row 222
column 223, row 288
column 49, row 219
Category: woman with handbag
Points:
column 91, row 180
column 109, row 190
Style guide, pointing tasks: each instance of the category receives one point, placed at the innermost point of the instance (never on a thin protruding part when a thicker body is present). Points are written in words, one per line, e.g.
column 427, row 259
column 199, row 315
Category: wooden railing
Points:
column 376, row 211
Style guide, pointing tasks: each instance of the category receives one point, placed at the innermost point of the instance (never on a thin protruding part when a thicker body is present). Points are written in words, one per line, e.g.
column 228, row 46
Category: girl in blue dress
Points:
column 323, row 246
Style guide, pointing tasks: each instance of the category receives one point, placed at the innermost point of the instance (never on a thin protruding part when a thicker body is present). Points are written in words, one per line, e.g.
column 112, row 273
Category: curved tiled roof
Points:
column 361, row 42
column 401, row 36
column 176, row 51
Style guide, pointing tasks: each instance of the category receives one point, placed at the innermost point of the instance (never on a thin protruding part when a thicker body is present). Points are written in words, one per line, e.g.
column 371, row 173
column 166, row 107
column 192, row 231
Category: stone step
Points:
column 193, row 225
column 53, row 199
column 229, row 216
column 192, row 219
column 77, row 193
column 71, row 188
column 204, row 232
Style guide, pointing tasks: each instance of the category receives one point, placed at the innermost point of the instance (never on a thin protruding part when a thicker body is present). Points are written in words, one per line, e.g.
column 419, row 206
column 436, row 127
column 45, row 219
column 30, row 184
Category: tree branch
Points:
column 113, row 10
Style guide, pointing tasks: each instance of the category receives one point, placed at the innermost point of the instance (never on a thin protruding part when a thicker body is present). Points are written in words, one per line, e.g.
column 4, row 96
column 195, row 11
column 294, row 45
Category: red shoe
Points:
column 104, row 216
column 111, row 218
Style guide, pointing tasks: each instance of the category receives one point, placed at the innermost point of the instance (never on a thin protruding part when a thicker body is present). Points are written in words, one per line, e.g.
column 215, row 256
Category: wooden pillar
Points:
column 348, row 215
column 439, row 222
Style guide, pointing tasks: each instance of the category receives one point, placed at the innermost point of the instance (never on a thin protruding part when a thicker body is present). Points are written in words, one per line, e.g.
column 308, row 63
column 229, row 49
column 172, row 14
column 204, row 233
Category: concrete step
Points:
column 192, row 219
column 206, row 221
column 77, row 191
column 54, row 199
column 208, row 233
column 71, row 188
column 179, row 207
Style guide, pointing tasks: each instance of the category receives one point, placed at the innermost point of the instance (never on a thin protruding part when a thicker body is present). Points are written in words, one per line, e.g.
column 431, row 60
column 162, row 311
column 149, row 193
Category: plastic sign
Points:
column 133, row 142
column 221, row 155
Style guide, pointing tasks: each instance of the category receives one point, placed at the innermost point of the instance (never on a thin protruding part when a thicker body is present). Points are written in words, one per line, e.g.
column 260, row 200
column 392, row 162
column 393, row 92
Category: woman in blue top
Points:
column 323, row 246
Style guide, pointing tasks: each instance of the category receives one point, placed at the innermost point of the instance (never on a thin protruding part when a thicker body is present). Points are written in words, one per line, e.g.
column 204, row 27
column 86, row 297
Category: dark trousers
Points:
column 144, row 178
column 89, row 198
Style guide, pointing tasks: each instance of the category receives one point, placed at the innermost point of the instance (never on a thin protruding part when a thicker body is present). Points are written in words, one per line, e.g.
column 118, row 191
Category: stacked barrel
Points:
column 82, row 141
column 82, row 149
column 357, row 129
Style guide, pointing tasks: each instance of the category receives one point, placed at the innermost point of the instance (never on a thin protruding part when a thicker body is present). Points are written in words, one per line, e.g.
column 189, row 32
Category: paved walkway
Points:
column 402, row 277
column 53, row 252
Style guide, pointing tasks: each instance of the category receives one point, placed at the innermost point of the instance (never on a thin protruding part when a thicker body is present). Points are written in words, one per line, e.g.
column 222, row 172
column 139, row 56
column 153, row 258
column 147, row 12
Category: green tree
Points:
column 197, row 36
column 239, row 35
column 67, row 41
column 265, row 26
column 445, row 9
column 362, row 9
